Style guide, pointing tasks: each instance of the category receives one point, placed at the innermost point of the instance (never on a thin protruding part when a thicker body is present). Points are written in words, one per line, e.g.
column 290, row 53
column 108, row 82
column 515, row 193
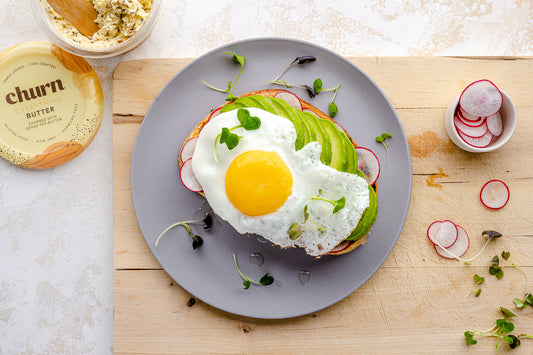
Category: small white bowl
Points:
column 509, row 117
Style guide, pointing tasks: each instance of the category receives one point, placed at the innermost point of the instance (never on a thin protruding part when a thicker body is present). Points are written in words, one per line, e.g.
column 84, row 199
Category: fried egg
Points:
column 264, row 186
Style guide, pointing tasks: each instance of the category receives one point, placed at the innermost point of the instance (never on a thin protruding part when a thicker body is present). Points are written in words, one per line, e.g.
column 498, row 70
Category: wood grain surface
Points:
column 417, row 302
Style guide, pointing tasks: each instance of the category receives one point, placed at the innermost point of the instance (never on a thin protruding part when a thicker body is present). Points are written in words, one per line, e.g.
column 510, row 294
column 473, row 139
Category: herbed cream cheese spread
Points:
column 118, row 20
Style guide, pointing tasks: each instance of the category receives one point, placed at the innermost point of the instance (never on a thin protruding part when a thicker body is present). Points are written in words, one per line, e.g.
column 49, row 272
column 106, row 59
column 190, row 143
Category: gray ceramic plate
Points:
column 159, row 198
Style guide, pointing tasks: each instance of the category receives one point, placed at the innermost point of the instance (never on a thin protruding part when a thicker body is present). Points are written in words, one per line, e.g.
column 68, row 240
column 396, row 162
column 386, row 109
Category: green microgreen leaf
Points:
column 478, row 292
column 507, row 313
column 266, row 280
column 384, row 139
column 230, row 139
column 337, row 204
column 247, row 121
column 504, row 326
column 469, row 338
column 508, row 339
column 519, row 303
column 237, row 59
column 478, row 279
column 317, row 85
column 306, row 214
column 529, row 299
column 295, row 231
column 333, row 109
column 506, row 255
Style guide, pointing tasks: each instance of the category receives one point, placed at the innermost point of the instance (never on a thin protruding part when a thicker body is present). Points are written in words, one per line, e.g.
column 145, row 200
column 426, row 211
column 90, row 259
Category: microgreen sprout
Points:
column 384, row 139
column 265, row 280
column 524, row 302
column 317, row 86
column 495, row 268
column 296, row 230
column 478, row 281
column 197, row 241
column 237, row 59
column 337, row 204
column 505, row 256
column 298, row 61
column 231, row 140
column 488, row 233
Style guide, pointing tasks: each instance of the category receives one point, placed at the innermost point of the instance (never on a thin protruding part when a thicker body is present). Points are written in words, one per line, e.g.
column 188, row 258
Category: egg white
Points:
column 277, row 134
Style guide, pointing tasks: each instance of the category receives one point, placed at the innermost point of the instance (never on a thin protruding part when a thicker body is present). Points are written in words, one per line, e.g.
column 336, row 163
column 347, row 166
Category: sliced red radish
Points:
column 187, row 177
column 187, row 150
column 476, row 131
column 481, row 98
column 494, row 194
column 368, row 163
column 470, row 123
column 458, row 248
column 495, row 124
column 443, row 233
column 289, row 98
column 342, row 246
column 480, row 142
column 214, row 113
column 468, row 117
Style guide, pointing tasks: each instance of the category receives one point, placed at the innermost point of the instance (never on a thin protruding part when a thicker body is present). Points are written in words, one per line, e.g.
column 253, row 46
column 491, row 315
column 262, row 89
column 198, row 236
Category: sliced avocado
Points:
column 367, row 219
column 351, row 156
column 321, row 137
column 285, row 110
column 338, row 156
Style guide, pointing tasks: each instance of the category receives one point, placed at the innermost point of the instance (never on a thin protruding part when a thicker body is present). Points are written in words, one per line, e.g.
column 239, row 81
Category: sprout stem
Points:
column 183, row 224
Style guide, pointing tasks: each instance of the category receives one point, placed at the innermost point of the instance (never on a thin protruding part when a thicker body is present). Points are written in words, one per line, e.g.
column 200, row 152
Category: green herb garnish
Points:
column 524, row 302
column 237, row 59
column 317, row 86
column 478, row 281
column 231, row 140
column 337, row 204
column 384, row 139
column 265, row 280
column 197, row 241
column 299, row 60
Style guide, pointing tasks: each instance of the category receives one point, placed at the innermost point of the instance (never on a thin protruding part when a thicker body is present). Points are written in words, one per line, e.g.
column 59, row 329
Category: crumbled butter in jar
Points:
column 118, row 20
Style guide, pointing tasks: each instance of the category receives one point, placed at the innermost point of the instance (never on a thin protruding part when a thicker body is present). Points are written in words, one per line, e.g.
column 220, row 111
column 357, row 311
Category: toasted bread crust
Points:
column 305, row 106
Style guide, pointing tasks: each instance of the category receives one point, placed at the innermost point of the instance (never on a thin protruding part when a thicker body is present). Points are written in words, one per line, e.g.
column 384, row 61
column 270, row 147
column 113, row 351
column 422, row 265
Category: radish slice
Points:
column 342, row 246
column 368, row 163
column 470, row 123
column 495, row 124
column 187, row 177
column 290, row 98
column 494, row 194
column 339, row 127
column 480, row 142
column 188, row 149
column 443, row 233
column 214, row 113
column 481, row 98
column 459, row 248
column 469, row 117
column 470, row 131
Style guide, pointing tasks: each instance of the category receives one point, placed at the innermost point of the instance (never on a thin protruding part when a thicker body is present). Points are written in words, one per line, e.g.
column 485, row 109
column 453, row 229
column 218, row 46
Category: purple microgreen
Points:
column 197, row 241
column 298, row 61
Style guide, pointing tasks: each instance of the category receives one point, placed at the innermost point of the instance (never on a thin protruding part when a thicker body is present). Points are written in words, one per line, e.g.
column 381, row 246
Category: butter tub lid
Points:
column 51, row 105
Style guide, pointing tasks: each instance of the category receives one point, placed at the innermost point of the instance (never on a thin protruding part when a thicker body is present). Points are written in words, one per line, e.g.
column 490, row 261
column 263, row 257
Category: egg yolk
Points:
column 258, row 182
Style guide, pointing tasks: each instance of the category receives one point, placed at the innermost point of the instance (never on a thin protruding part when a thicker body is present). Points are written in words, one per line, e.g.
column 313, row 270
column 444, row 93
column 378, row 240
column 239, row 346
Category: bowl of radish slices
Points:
column 482, row 118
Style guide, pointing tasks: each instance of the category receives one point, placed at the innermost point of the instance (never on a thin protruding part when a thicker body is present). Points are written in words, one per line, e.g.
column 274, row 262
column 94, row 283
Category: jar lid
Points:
column 51, row 105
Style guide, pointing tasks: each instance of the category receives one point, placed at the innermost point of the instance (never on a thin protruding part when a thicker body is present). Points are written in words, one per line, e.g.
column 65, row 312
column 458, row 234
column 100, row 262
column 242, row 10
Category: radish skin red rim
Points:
column 368, row 163
column 467, row 116
column 471, row 131
column 495, row 124
column 214, row 113
column 481, row 98
column 459, row 248
column 188, row 149
column 342, row 246
column 443, row 233
column 494, row 194
column 476, row 123
column 290, row 98
column 480, row 142
column 187, row 177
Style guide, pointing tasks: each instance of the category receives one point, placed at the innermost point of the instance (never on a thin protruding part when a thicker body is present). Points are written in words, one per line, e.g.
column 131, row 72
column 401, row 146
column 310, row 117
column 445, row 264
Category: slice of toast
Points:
column 345, row 246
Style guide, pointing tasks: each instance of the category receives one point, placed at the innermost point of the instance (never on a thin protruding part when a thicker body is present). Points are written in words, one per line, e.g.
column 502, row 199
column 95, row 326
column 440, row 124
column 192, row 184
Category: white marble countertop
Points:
column 56, row 225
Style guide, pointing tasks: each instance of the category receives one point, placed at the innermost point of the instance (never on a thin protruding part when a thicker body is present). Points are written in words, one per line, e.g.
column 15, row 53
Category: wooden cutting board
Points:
column 417, row 302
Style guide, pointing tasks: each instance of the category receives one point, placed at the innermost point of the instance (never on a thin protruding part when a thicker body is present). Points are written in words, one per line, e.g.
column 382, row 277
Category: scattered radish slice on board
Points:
column 188, row 149
column 480, row 142
column 481, row 98
column 494, row 194
column 458, row 248
column 471, row 131
column 443, row 233
column 290, row 98
column 368, row 163
column 495, row 124
column 187, row 177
